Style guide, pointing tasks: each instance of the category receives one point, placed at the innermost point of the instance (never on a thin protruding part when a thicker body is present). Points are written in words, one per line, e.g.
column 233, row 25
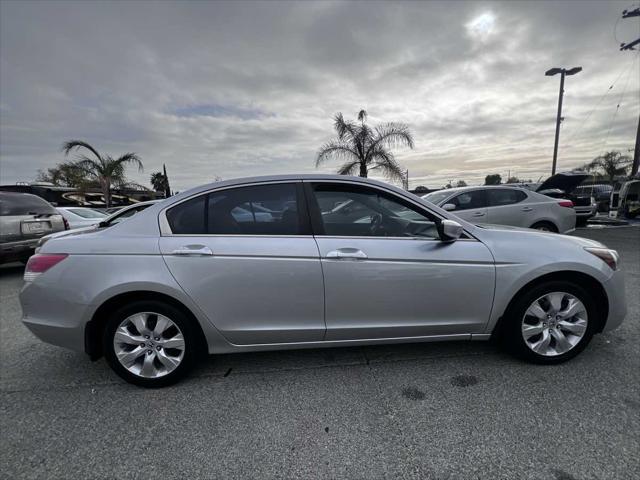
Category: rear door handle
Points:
column 192, row 251
column 347, row 254
column 478, row 214
column 526, row 209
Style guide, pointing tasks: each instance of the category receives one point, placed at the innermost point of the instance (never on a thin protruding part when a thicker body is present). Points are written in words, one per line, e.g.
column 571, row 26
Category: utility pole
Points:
column 549, row 73
column 630, row 46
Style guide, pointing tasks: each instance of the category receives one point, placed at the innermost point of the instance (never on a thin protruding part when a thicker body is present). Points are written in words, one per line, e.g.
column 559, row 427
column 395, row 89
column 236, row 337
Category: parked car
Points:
column 79, row 217
column 564, row 185
column 119, row 216
column 627, row 199
column 24, row 218
column 601, row 193
column 184, row 277
column 504, row 205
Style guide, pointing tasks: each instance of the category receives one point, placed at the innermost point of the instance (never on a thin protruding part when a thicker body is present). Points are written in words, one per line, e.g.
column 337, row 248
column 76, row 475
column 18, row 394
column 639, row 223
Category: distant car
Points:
column 564, row 185
column 504, row 205
column 79, row 217
column 24, row 219
column 601, row 193
column 119, row 216
column 628, row 202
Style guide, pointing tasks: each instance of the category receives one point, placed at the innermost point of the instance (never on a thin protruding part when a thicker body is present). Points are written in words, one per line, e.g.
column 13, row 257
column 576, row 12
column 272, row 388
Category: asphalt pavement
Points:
column 445, row 411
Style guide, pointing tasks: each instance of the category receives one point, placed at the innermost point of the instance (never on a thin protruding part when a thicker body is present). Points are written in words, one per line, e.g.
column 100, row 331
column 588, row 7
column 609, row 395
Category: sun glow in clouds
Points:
column 482, row 26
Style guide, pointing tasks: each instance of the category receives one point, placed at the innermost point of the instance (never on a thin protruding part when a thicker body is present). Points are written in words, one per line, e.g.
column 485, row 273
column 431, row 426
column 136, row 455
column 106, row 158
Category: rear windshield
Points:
column 436, row 197
column 24, row 204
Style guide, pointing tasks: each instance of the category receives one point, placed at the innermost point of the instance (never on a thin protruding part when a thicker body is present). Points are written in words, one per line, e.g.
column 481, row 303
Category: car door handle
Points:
column 478, row 214
column 526, row 209
column 192, row 251
column 347, row 253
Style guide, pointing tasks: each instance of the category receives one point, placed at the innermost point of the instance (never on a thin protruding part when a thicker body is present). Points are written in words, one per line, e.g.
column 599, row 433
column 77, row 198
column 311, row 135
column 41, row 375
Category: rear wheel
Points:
column 150, row 343
column 551, row 323
column 581, row 222
column 545, row 227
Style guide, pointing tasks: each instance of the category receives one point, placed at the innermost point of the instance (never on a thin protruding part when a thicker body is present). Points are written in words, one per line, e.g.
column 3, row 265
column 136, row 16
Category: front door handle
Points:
column 478, row 214
column 526, row 209
column 347, row 254
column 193, row 251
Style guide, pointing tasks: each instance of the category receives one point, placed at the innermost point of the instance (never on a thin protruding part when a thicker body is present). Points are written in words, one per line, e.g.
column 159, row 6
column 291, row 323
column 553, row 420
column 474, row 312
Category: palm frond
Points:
column 130, row 157
column 346, row 130
column 77, row 144
column 349, row 168
column 336, row 149
column 384, row 161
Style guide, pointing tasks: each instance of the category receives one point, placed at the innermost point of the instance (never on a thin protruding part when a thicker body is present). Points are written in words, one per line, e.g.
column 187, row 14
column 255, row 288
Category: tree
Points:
column 461, row 183
column 364, row 149
column 106, row 170
column 513, row 180
column 611, row 165
column 159, row 182
column 65, row 175
column 493, row 179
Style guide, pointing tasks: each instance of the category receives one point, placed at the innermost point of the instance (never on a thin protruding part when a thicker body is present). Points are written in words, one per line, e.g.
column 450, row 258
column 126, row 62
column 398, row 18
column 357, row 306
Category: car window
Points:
column 24, row 204
column 469, row 200
column 437, row 197
column 504, row 196
column 123, row 214
column 86, row 213
column 252, row 210
column 360, row 211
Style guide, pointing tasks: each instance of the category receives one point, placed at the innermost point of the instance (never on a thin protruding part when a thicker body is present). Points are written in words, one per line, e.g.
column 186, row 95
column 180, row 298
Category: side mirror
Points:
column 449, row 207
column 449, row 230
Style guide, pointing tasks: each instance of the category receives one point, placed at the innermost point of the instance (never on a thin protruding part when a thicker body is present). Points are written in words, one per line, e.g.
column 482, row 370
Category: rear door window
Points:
column 504, row 196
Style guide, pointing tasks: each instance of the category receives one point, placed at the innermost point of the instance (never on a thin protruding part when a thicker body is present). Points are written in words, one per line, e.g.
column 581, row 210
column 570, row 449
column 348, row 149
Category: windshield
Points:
column 87, row 213
column 437, row 197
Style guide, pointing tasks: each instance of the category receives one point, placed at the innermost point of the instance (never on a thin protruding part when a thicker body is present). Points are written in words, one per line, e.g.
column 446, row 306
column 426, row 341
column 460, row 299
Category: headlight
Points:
column 608, row 256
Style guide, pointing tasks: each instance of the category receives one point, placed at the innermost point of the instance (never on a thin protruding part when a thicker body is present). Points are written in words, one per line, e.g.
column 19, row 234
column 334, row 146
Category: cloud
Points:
column 238, row 88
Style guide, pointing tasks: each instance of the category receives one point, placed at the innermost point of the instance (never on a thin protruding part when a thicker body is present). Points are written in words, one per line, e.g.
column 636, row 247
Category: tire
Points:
column 581, row 222
column 143, row 370
column 545, row 227
column 513, row 332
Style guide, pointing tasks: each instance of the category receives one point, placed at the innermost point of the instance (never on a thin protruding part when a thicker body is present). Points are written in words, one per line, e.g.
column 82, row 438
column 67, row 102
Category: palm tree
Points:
column 364, row 149
column 611, row 164
column 106, row 170
column 159, row 182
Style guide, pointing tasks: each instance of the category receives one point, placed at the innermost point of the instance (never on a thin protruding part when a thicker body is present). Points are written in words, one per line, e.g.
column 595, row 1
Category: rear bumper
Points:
column 586, row 212
column 53, row 318
column 10, row 250
column 615, row 290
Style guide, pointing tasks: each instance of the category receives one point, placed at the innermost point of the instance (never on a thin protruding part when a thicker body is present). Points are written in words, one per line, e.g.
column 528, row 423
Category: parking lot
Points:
column 446, row 411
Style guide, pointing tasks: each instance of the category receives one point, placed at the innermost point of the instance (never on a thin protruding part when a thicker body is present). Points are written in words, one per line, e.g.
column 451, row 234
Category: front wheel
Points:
column 149, row 343
column 545, row 227
column 551, row 323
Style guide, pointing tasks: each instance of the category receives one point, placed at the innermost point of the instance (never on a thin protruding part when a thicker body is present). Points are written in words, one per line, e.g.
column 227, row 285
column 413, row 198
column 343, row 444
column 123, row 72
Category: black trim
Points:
column 315, row 214
column 304, row 220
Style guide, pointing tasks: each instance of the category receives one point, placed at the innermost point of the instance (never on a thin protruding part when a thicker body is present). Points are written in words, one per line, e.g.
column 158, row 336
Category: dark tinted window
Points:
column 504, row 196
column 469, row 200
column 364, row 212
column 256, row 210
column 24, row 204
column 188, row 217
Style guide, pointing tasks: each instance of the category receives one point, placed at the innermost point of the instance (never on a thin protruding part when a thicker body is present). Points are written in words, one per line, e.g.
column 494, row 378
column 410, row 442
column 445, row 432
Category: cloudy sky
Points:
column 243, row 88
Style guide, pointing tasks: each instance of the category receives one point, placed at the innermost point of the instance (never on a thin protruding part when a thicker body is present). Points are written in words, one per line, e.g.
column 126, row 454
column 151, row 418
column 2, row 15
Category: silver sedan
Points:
column 312, row 261
column 505, row 205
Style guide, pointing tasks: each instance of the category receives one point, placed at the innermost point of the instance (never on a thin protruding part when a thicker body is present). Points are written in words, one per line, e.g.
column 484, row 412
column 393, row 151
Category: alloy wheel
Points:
column 149, row 345
column 554, row 324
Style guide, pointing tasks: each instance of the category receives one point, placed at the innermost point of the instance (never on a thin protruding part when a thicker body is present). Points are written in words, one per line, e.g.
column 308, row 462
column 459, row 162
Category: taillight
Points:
column 566, row 203
column 40, row 263
column 66, row 224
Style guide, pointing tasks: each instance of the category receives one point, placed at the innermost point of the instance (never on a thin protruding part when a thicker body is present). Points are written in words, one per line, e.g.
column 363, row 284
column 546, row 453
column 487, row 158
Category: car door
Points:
column 510, row 206
column 388, row 275
column 470, row 205
column 255, row 274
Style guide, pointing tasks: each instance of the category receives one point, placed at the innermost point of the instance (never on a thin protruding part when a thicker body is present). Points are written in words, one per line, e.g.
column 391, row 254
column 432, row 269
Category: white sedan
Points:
column 502, row 205
column 79, row 217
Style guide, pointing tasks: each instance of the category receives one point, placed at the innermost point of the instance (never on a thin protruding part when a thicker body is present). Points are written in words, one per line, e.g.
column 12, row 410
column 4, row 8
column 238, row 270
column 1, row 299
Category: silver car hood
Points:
column 489, row 232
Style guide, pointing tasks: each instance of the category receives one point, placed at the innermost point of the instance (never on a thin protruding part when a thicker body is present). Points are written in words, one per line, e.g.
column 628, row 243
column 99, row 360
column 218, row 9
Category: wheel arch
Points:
column 591, row 284
column 94, row 328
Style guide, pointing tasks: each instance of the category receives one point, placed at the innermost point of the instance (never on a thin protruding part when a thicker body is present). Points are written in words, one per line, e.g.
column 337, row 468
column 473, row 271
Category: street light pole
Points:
column 562, row 72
